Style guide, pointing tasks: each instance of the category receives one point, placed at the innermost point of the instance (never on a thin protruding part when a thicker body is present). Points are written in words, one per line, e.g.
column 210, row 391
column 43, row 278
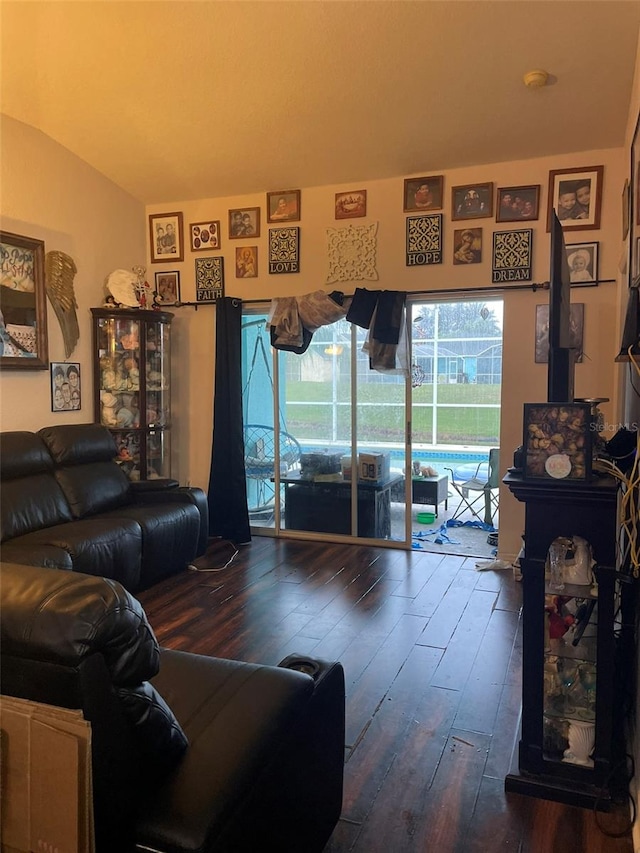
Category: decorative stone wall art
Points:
column 512, row 255
column 351, row 253
column 424, row 240
column 284, row 250
column 209, row 279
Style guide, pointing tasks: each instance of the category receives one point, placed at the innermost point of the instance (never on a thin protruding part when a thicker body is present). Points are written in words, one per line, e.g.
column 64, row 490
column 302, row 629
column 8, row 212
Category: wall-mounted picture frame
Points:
column 284, row 250
column 425, row 193
column 576, row 197
column 283, row 206
column 576, row 332
column 626, row 207
column 204, row 236
column 467, row 246
column 246, row 261
column 512, row 255
column 351, row 205
column 424, row 240
column 583, row 262
column 167, row 288
column 23, row 304
column 472, row 201
column 166, row 237
column 66, row 395
column 557, row 441
column 209, row 279
column 244, row 222
column 518, row 204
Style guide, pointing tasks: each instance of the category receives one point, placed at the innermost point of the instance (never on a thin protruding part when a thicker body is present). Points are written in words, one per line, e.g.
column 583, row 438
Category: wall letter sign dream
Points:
column 284, row 250
column 351, row 253
column 209, row 279
column 424, row 240
column 512, row 255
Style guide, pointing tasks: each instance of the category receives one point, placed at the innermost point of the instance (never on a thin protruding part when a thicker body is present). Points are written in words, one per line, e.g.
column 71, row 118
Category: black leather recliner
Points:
column 189, row 753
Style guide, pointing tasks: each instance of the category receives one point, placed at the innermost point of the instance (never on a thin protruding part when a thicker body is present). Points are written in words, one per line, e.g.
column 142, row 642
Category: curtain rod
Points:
column 533, row 286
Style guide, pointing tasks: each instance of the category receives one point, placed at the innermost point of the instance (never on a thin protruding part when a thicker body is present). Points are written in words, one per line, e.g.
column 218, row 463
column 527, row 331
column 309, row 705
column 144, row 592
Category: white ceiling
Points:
column 184, row 100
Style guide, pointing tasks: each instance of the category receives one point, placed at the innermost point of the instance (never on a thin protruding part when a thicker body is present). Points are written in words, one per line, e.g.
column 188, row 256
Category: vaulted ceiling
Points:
column 183, row 100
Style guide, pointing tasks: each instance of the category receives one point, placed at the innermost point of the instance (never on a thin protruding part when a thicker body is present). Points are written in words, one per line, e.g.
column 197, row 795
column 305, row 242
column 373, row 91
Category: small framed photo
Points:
column 467, row 246
column 246, row 261
column 583, row 262
column 283, row 206
column 166, row 237
column 284, row 250
column 576, row 331
column 473, row 201
column 423, row 193
column 244, row 222
column 557, row 441
column 626, row 205
column 65, row 386
column 204, row 235
column 576, row 197
column 167, row 288
column 518, row 204
column 351, row 205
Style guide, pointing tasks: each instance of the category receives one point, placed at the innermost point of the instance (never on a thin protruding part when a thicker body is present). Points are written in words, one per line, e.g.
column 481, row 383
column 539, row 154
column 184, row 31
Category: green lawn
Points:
column 380, row 413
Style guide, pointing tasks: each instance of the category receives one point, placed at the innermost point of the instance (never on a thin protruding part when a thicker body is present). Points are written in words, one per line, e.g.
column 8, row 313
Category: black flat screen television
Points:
column 560, row 380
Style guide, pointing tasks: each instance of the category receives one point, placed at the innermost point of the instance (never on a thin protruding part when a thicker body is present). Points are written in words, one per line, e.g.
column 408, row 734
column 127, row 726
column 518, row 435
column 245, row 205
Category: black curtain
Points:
column 228, row 515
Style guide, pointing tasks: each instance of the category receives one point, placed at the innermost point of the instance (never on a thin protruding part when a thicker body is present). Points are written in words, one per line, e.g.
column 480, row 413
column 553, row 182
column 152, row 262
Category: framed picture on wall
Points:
column 351, row 205
column 472, row 201
column 518, row 204
column 204, row 235
column 634, row 210
column 423, row 193
column 583, row 262
column 246, row 262
column 166, row 237
column 576, row 197
column 23, row 318
column 167, row 288
column 65, row 386
column 283, row 206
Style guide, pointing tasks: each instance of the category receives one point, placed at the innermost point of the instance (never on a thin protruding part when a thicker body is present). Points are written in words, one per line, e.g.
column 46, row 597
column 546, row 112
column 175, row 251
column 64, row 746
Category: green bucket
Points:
column 426, row 517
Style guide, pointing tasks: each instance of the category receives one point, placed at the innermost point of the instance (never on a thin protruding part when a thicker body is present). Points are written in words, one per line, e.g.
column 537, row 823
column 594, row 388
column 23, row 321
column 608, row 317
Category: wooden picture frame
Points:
column 351, row 205
column 167, row 290
column 557, row 441
column 518, row 204
column 246, row 261
column 583, row 262
column 244, row 222
column 472, row 201
column 467, row 246
column 166, row 237
column 23, row 303
column 576, row 196
column 205, row 236
column 424, row 193
column 283, row 206
column 66, row 395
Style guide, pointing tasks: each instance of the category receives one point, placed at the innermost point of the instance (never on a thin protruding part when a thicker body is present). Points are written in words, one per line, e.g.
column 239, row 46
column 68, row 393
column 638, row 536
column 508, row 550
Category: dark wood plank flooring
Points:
column 432, row 655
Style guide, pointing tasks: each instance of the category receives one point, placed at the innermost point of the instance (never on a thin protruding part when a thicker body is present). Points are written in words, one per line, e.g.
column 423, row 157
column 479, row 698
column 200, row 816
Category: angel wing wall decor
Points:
column 60, row 270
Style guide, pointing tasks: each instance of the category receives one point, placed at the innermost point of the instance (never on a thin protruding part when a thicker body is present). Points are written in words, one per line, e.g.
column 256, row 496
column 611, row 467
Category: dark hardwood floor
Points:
column 431, row 650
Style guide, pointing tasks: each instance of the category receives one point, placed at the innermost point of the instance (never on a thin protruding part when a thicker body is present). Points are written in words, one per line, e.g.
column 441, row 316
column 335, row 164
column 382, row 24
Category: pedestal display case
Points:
column 578, row 643
column 132, row 394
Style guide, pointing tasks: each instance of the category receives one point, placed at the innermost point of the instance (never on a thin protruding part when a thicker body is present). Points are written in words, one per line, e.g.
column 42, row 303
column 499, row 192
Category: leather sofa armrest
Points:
column 162, row 484
column 181, row 494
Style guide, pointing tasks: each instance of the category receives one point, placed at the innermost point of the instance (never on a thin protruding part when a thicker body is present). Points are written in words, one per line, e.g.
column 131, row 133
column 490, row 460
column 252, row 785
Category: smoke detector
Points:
column 535, row 79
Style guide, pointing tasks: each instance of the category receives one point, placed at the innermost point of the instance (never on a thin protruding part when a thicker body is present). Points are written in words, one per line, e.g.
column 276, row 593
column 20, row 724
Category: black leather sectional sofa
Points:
column 66, row 504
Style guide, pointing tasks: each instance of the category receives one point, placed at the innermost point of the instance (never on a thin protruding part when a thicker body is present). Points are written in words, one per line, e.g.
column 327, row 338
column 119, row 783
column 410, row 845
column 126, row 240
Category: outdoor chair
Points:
column 261, row 457
column 479, row 491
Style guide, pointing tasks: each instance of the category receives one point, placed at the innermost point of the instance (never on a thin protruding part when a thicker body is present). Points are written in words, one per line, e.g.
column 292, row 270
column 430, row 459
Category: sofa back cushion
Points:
column 83, row 456
column 31, row 497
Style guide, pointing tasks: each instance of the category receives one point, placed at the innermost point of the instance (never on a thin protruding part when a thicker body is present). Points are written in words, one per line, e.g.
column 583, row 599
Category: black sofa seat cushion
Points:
column 168, row 530
column 238, row 718
column 106, row 547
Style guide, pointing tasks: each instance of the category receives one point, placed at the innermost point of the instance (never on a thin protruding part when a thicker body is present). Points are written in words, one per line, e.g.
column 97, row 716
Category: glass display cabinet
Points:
column 132, row 394
column 577, row 626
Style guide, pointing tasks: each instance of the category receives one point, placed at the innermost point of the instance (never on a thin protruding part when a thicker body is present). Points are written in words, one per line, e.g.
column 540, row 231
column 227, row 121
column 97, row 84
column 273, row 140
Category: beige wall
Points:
column 523, row 380
column 51, row 195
